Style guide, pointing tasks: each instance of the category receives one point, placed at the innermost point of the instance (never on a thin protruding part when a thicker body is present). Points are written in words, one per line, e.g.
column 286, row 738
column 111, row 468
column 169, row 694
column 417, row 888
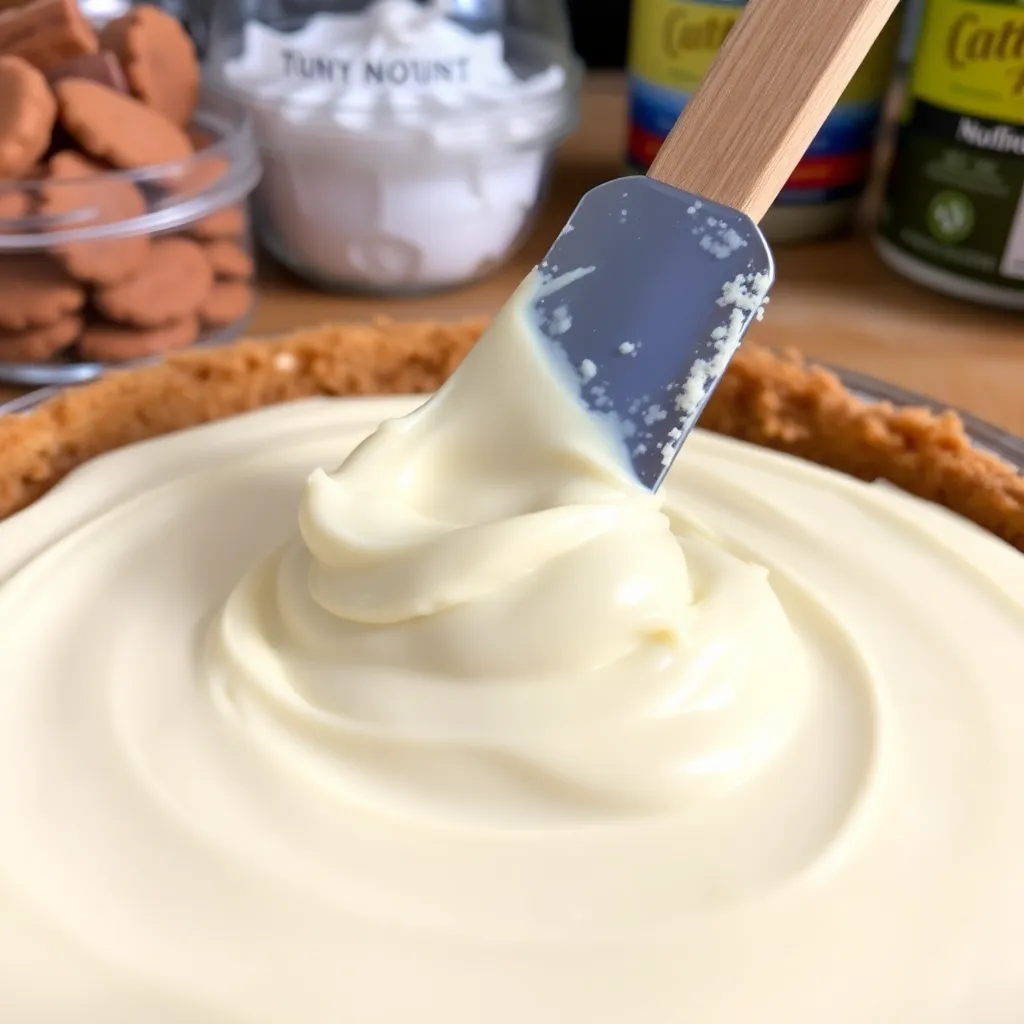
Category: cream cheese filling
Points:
column 484, row 616
column 493, row 734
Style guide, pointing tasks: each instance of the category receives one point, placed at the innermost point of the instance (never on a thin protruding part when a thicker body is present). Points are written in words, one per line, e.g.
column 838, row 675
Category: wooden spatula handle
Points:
column 780, row 72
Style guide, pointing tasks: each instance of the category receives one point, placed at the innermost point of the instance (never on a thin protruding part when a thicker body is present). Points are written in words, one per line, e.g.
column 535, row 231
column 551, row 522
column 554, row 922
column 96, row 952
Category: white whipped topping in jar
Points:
column 397, row 65
column 488, row 732
column 402, row 149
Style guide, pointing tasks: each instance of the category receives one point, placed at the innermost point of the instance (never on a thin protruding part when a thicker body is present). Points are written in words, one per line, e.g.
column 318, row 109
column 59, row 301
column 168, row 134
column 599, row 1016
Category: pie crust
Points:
column 773, row 400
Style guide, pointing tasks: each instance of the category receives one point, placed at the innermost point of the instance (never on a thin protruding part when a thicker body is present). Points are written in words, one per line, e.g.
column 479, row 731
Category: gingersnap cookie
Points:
column 159, row 60
column 27, row 114
column 77, row 185
column 39, row 344
column 202, row 173
column 116, row 343
column 200, row 137
column 229, row 260
column 117, row 128
column 171, row 282
column 46, row 32
column 102, row 67
column 35, row 292
column 227, row 303
column 227, row 223
column 14, row 204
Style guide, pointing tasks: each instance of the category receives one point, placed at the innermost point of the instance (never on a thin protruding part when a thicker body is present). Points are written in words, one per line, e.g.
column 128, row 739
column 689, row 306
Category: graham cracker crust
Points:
column 771, row 400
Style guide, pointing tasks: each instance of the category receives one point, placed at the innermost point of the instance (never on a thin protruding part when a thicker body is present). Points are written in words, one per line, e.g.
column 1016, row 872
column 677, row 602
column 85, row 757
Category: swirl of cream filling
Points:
column 485, row 611
column 180, row 838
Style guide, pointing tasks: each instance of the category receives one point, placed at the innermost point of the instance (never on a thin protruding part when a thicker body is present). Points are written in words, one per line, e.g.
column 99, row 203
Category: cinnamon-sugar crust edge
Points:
column 776, row 401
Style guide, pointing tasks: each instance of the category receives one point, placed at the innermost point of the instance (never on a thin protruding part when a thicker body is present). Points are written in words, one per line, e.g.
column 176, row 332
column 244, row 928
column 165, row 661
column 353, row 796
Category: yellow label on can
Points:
column 672, row 46
column 673, row 42
column 970, row 58
column 871, row 79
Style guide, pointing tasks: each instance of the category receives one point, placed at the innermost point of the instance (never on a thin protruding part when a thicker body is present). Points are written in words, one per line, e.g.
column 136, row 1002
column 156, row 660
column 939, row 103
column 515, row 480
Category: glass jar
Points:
column 58, row 231
column 406, row 145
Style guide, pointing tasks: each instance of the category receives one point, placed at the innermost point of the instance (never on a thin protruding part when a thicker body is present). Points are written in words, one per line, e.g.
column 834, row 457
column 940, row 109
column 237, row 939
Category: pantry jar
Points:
column 82, row 245
column 406, row 145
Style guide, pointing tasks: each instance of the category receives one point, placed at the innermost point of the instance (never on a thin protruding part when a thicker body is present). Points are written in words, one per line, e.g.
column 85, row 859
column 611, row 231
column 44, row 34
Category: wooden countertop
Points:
column 834, row 301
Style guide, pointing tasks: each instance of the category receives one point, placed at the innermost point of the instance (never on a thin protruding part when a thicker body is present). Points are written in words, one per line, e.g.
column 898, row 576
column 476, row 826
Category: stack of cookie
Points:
column 96, row 135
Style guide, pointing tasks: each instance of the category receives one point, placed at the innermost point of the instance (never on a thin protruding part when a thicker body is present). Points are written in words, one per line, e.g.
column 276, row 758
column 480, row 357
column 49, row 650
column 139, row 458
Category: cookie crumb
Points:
column 774, row 401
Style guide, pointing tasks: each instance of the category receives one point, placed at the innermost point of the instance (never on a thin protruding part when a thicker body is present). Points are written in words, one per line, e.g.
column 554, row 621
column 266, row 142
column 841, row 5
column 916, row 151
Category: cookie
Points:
column 172, row 282
column 200, row 138
column 39, row 344
column 35, row 292
column 114, row 343
column 15, row 203
column 227, row 223
column 159, row 60
column 227, row 302
column 76, row 185
column 229, row 260
column 202, row 173
column 46, row 32
column 117, row 128
column 27, row 114
column 18, row 199
column 102, row 67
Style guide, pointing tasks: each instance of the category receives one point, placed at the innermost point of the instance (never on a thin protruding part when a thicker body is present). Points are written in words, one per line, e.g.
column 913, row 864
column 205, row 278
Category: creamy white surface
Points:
column 503, row 751
column 395, row 181
column 396, row 65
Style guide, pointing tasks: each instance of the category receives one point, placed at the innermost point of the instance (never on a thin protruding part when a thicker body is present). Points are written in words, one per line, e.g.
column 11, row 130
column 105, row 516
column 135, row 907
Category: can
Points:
column 953, row 214
column 672, row 44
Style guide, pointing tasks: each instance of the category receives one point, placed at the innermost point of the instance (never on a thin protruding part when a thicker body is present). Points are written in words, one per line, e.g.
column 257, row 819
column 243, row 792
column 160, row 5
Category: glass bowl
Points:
column 55, row 228
column 405, row 148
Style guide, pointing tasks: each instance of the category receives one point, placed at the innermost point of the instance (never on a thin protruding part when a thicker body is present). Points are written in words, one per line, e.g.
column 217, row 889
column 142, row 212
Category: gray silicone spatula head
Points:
column 654, row 281
column 648, row 291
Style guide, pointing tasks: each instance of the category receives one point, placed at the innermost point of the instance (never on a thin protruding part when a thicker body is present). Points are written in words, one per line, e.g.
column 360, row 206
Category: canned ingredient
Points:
column 672, row 45
column 953, row 218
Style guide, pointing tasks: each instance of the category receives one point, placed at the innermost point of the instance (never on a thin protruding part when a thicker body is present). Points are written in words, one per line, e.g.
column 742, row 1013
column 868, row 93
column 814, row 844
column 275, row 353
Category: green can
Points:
column 953, row 215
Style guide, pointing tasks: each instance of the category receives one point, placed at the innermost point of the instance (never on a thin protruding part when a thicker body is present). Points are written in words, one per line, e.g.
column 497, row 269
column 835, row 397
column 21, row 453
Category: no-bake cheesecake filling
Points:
column 489, row 732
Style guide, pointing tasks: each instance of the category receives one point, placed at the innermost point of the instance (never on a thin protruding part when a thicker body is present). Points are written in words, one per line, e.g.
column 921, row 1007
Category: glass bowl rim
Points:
column 235, row 145
column 983, row 435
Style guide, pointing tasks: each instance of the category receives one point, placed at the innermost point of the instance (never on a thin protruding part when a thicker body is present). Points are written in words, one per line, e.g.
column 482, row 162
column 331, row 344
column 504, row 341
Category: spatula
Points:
column 654, row 281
